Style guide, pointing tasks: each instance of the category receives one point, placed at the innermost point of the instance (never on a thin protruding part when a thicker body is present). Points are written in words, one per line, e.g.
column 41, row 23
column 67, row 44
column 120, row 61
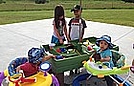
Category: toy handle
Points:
column 28, row 80
column 21, row 79
column 132, row 68
column 55, row 80
column 16, row 81
column 107, row 64
column 2, row 76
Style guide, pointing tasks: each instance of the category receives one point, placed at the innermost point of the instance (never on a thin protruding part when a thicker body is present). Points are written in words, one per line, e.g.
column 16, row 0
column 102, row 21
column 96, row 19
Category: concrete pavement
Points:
column 16, row 39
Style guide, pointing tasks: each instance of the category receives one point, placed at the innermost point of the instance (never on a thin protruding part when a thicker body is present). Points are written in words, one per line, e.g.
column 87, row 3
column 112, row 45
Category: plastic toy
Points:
column 59, row 57
column 100, row 70
column 42, row 78
column 89, row 47
column 132, row 68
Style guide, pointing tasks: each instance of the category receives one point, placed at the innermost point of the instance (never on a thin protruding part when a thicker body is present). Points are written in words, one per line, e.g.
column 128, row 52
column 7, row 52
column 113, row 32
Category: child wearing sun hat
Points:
column 104, row 44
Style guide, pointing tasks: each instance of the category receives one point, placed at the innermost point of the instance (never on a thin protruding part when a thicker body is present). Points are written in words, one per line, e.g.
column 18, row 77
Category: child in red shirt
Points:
column 35, row 57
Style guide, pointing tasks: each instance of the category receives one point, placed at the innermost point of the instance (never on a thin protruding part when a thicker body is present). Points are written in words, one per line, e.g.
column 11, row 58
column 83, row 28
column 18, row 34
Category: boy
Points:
column 30, row 65
column 76, row 24
column 104, row 44
column 104, row 52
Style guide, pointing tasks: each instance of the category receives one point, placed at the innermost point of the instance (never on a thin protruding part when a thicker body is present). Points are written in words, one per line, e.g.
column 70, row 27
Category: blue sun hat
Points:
column 105, row 38
column 36, row 55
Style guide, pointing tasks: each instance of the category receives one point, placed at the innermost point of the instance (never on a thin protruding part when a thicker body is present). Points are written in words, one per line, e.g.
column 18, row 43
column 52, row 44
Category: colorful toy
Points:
column 63, row 50
column 132, row 68
column 59, row 57
column 89, row 47
column 58, row 50
column 2, row 76
column 45, row 67
column 100, row 70
column 21, row 79
column 42, row 78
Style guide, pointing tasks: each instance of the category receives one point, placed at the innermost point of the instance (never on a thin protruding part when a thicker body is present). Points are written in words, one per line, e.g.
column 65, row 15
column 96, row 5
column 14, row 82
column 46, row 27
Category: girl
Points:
column 59, row 25
column 60, row 31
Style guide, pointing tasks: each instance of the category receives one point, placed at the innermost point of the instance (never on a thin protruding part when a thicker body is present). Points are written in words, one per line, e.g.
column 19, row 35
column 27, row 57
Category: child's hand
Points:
column 102, row 60
column 80, row 40
column 53, row 56
column 48, row 57
column 61, row 41
column 68, row 39
column 107, row 59
column 18, row 69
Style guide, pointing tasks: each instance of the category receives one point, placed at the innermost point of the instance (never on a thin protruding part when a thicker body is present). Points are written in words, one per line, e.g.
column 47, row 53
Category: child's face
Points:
column 77, row 13
column 103, row 45
column 61, row 17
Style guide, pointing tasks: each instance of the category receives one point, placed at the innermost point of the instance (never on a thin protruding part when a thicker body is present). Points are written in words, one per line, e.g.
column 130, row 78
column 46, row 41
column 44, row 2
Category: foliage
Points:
column 130, row 1
column 26, row 5
column 40, row 1
column 1, row 1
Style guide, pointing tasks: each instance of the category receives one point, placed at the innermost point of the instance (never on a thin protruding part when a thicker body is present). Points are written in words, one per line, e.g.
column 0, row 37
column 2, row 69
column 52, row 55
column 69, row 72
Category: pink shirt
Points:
column 29, row 69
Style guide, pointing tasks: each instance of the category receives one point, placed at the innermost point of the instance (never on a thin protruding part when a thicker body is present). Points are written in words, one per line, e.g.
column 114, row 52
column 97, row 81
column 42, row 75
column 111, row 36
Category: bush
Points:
column 1, row 1
column 130, row 1
column 40, row 1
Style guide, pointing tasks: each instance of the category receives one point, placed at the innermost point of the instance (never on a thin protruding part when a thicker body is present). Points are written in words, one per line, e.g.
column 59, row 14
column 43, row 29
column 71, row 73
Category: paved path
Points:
column 16, row 39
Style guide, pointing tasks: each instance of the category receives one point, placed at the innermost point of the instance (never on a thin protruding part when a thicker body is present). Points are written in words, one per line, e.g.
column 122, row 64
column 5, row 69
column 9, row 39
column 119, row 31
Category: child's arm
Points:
column 83, row 29
column 57, row 34
column 65, row 31
column 45, row 58
column 133, row 62
column 18, row 69
column 105, row 59
column 69, row 30
column 69, row 38
column 82, row 34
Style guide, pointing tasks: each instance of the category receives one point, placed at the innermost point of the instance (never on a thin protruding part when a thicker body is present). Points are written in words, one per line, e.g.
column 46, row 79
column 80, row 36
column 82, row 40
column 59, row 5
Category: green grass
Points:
column 110, row 11
column 30, row 5
column 22, row 16
column 113, row 16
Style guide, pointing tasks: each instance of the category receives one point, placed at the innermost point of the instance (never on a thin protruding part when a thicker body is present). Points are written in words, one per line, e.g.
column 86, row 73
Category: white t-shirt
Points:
column 76, row 28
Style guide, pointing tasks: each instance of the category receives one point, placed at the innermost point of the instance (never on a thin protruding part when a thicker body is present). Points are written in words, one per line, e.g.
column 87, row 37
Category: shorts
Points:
column 56, row 40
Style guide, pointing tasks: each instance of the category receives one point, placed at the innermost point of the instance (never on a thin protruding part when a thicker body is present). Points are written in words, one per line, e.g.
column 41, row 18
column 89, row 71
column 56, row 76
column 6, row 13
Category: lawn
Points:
column 113, row 16
column 22, row 16
column 115, row 12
